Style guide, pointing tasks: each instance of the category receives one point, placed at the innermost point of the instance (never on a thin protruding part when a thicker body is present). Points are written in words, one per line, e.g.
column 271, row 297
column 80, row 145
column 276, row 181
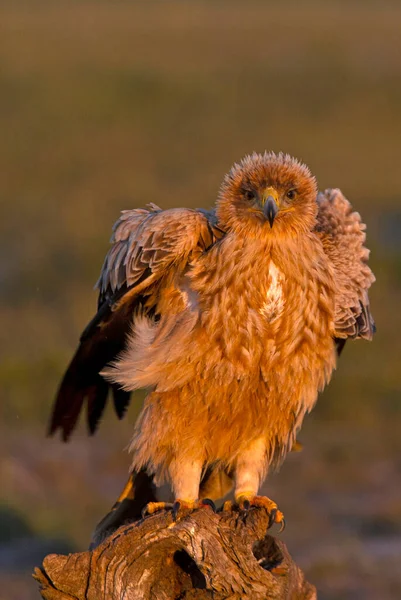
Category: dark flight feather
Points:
column 143, row 250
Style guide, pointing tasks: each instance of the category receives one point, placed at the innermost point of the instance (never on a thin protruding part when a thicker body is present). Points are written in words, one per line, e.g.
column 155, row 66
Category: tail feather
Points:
column 126, row 509
column 96, row 396
column 69, row 402
column 82, row 383
column 121, row 400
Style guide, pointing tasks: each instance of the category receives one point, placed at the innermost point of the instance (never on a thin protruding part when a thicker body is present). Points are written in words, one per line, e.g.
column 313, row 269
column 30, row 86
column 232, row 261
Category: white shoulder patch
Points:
column 273, row 307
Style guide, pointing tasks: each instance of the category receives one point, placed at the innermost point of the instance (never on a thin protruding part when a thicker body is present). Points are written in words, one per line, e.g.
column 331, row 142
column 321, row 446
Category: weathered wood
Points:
column 201, row 556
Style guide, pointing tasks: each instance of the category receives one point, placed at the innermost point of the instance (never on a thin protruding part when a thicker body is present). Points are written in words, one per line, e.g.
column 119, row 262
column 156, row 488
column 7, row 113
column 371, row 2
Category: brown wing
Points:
column 150, row 248
column 343, row 236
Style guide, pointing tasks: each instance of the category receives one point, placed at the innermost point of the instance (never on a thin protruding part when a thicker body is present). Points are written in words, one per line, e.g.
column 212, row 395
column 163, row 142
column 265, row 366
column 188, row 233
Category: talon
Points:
column 275, row 515
column 272, row 517
column 181, row 508
column 176, row 509
column 279, row 518
column 207, row 502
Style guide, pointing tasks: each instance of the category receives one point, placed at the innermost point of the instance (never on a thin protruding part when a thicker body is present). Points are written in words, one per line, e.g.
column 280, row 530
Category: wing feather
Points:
column 149, row 247
column 343, row 235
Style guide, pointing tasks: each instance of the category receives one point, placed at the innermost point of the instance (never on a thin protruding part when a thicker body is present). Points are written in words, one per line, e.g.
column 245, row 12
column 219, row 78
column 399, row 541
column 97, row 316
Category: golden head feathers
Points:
column 250, row 182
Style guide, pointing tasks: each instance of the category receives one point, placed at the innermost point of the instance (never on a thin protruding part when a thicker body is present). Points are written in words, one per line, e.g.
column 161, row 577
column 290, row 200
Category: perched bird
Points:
column 231, row 319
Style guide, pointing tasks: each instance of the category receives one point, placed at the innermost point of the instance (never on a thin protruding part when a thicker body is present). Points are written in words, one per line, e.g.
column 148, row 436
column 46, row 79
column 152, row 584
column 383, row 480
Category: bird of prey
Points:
column 231, row 320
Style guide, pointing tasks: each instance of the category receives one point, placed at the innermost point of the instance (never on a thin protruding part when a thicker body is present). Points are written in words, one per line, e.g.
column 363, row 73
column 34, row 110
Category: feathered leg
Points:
column 185, row 477
column 249, row 473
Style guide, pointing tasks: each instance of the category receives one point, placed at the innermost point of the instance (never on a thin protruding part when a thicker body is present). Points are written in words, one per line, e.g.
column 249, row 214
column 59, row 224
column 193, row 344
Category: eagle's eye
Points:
column 249, row 194
column 291, row 194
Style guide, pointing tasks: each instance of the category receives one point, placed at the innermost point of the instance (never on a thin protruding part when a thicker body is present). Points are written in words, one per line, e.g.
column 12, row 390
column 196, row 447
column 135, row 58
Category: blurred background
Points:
column 108, row 105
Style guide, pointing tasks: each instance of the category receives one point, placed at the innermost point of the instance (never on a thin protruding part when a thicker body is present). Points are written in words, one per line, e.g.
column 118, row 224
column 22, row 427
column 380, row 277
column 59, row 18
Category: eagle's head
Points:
column 268, row 194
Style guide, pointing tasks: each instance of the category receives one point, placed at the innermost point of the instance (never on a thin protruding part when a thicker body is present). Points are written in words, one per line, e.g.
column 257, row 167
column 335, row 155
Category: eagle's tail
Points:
column 138, row 492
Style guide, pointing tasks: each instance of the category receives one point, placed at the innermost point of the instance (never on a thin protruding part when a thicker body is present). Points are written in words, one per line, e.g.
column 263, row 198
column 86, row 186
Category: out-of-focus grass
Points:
column 106, row 106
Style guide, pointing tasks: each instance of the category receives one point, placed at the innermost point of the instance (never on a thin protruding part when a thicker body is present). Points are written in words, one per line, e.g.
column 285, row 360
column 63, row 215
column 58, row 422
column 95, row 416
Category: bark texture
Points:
column 201, row 556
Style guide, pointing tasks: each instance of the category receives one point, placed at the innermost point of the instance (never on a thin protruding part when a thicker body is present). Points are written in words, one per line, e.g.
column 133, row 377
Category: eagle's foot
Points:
column 153, row 507
column 243, row 503
column 182, row 508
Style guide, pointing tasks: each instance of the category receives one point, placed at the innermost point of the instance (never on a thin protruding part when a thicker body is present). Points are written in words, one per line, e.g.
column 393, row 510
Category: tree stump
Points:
column 203, row 555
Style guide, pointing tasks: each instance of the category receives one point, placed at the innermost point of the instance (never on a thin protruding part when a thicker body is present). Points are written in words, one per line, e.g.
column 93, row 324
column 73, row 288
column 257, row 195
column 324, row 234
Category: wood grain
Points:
column 203, row 555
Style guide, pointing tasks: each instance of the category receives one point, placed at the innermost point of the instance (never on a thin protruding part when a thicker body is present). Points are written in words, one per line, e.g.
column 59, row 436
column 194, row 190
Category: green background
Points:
column 108, row 105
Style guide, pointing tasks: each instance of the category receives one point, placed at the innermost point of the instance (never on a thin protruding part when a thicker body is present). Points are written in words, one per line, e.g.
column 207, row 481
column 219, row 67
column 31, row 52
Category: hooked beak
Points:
column 270, row 209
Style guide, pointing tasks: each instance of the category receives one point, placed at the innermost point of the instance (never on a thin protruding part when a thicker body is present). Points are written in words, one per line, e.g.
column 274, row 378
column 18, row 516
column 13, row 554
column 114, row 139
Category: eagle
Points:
column 232, row 320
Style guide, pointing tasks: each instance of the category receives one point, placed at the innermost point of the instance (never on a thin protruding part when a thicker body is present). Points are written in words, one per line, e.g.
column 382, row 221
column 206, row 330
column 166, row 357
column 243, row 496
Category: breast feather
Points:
column 275, row 301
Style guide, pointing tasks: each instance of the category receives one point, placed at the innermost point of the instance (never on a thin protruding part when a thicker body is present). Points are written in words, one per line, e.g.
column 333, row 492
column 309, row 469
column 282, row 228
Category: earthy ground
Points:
column 110, row 105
